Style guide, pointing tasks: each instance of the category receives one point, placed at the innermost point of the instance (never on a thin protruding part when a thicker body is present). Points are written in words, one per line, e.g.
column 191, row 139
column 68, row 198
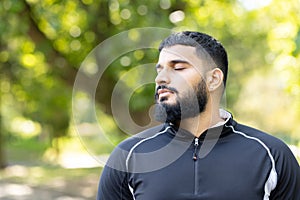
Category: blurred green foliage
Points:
column 43, row 42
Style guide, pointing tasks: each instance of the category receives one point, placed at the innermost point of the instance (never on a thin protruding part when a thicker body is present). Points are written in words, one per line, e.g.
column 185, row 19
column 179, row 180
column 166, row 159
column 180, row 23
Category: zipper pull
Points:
column 196, row 144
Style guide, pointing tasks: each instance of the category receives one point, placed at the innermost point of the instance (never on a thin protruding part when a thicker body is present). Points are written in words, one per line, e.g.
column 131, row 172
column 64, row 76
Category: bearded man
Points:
column 199, row 151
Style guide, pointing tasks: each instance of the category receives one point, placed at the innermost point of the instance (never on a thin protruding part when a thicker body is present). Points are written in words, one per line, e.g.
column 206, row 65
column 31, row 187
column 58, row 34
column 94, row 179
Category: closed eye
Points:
column 179, row 68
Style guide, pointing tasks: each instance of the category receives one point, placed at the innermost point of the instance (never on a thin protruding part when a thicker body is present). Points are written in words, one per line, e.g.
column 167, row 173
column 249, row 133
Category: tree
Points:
column 43, row 43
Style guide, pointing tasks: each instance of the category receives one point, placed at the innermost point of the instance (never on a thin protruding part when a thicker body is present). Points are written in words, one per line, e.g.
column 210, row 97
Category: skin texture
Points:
column 179, row 67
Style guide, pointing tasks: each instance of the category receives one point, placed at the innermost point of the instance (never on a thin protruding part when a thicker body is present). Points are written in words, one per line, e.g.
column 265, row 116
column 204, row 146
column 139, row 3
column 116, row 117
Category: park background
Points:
column 44, row 42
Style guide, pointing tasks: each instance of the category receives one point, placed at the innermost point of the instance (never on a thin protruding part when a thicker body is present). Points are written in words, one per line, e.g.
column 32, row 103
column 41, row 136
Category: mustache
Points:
column 165, row 87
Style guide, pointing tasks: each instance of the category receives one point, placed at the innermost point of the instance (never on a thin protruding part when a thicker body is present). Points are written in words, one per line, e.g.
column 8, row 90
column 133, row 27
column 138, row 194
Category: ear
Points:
column 214, row 79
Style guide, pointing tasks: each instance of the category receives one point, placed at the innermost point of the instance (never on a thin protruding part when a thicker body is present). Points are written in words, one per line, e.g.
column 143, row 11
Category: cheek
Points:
column 188, row 83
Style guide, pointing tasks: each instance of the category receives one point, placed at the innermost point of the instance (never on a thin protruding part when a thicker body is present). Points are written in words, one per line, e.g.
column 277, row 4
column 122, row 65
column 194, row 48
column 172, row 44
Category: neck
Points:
column 197, row 125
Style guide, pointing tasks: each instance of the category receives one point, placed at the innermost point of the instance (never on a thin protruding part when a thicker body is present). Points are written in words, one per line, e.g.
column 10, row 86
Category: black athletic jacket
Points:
column 229, row 162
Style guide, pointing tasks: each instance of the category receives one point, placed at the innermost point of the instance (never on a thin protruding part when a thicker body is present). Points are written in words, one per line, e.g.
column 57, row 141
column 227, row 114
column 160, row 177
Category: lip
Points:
column 163, row 91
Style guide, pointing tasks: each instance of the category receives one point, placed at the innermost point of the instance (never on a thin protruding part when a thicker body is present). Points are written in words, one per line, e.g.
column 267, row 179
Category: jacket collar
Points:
column 218, row 130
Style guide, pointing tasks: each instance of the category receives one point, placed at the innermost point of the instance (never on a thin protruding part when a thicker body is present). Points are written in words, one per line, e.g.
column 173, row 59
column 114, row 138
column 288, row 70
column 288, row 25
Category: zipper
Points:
column 195, row 158
column 196, row 144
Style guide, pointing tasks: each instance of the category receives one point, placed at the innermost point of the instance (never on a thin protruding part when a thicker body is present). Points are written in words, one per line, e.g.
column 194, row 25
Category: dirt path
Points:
column 64, row 185
column 17, row 191
column 14, row 191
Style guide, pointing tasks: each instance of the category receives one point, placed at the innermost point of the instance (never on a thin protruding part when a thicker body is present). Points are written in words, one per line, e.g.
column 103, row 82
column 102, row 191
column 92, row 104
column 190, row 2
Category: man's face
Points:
column 180, row 88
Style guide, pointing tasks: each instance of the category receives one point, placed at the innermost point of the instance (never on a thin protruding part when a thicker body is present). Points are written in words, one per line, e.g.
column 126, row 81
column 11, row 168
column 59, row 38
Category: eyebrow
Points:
column 173, row 62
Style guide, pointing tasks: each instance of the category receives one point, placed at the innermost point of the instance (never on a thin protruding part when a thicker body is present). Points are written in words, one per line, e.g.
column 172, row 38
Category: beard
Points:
column 191, row 104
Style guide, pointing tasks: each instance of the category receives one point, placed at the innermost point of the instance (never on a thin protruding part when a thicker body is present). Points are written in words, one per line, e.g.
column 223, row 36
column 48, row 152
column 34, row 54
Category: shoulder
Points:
column 117, row 159
column 128, row 143
column 274, row 148
column 278, row 150
column 265, row 139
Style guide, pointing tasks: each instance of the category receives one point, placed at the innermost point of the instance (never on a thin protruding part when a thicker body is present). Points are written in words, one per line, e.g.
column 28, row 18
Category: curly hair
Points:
column 205, row 44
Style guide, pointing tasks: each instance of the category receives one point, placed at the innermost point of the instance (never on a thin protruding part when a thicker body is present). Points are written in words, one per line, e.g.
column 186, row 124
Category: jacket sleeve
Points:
column 114, row 181
column 288, row 176
column 113, row 185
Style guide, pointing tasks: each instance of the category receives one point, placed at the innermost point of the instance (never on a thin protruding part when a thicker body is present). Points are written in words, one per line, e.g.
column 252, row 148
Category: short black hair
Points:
column 202, row 42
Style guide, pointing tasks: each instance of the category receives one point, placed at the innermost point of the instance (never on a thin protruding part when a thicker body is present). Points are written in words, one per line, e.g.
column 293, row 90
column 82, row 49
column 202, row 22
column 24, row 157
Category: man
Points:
column 200, row 151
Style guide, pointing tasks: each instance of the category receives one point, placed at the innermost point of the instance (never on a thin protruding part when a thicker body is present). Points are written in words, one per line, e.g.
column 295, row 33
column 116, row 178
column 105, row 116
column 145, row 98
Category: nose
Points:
column 162, row 77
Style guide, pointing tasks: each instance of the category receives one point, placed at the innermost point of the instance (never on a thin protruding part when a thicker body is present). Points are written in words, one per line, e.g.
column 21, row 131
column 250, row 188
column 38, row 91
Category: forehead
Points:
column 180, row 52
